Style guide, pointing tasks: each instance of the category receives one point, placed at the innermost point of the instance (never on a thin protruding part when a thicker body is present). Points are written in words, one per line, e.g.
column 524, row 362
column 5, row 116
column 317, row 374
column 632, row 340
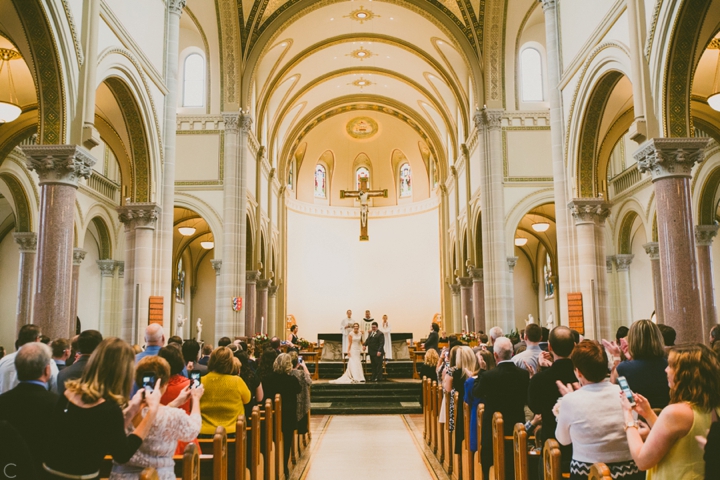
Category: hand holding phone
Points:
column 148, row 382
column 300, row 359
column 194, row 379
column 626, row 390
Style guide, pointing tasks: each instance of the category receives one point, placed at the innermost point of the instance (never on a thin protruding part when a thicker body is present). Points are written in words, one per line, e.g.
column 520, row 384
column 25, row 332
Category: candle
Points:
column 467, row 329
column 262, row 324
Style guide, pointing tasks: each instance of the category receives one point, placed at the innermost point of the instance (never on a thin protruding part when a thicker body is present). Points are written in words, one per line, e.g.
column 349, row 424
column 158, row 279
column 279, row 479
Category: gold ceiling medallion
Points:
column 361, row 53
column 362, row 82
column 362, row 127
column 361, row 15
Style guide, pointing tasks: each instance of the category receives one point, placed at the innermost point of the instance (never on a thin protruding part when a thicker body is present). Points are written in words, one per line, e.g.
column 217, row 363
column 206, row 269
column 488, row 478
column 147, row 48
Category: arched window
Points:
column 194, row 81
column 405, row 180
column 531, row 72
column 320, row 181
column 361, row 172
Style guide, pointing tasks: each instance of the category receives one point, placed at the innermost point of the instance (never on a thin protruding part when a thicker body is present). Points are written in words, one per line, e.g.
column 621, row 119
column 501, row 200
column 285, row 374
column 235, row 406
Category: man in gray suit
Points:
column 375, row 343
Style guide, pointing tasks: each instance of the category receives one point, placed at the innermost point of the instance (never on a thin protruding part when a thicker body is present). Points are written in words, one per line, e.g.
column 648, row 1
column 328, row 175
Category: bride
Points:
column 354, row 371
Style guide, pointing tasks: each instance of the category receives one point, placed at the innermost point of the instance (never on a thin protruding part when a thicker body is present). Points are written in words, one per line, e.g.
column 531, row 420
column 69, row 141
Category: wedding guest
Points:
column 60, row 352
column 670, row 451
column 302, row 373
column 288, row 387
column 225, row 394
column 89, row 422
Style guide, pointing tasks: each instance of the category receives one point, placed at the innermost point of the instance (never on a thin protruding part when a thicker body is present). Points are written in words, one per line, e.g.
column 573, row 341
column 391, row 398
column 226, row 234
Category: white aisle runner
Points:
column 367, row 447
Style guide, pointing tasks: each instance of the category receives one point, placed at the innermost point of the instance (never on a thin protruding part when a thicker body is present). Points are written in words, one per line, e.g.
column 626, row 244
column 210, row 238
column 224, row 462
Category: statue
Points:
column 550, row 321
column 199, row 329
column 179, row 322
column 530, row 319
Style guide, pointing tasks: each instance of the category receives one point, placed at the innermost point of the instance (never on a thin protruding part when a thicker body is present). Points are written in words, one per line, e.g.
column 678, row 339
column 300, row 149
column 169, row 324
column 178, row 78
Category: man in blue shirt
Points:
column 154, row 341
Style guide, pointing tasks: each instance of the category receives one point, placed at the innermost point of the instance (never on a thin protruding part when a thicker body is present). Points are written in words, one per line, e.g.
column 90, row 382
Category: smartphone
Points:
column 148, row 382
column 194, row 379
column 300, row 360
column 626, row 390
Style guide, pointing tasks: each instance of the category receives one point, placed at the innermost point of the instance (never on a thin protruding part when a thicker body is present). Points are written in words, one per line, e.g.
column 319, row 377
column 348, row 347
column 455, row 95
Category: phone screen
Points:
column 195, row 379
column 626, row 390
column 148, row 382
column 300, row 360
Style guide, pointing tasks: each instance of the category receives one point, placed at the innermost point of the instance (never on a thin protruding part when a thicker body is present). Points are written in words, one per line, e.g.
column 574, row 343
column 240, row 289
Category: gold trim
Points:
column 361, row 15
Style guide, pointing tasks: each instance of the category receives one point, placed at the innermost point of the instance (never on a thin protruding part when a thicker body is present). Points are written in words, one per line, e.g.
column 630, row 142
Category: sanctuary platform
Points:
column 388, row 397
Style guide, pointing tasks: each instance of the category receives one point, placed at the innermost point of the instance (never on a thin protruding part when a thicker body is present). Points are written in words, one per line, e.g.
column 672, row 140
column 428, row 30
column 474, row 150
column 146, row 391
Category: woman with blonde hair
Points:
column 466, row 366
column 429, row 367
column 670, row 450
column 90, row 419
column 225, row 394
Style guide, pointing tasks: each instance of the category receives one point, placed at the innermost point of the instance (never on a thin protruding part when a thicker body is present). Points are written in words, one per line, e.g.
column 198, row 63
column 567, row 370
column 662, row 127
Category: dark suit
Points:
column 203, row 369
column 72, row 372
column 432, row 341
column 375, row 344
column 28, row 408
column 502, row 389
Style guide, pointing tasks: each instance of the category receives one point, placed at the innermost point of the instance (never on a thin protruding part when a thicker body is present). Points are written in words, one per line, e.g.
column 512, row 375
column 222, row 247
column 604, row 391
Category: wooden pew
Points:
column 599, row 471
column 190, row 462
column 468, row 466
column 256, row 460
column 441, row 427
column 478, row 459
column 448, row 436
column 269, row 455
column 220, row 454
column 240, row 451
column 497, row 471
column 520, row 452
column 457, row 459
column 149, row 474
column 278, row 438
column 551, row 460
column 426, row 410
column 434, row 416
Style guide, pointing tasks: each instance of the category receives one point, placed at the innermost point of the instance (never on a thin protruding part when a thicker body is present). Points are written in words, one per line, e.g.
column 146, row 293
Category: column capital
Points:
column 548, row 4
column 465, row 282
column 653, row 250
column 176, row 6
column 670, row 157
column 78, row 256
column 263, row 283
column 489, row 118
column 27, row 241
column 589, row 210
column 512, row 261
column 252, row 276
column 454, row 288
column 107, row 267
column 623, row 261
column 704, row 234
column 231, row 121
column 476, row 274
column 609, row 259
column 246, row 121
column 272, row 291
column 217, row 266
column 64, row 164
column 139, row 215
column 121, row 268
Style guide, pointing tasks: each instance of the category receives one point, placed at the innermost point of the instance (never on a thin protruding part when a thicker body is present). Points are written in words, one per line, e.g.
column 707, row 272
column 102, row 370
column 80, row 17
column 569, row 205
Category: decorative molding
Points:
column 609, row 260
column 653, row 250
column 704, row 235
column 121, row 268
column 589, row 210
column 476, row 274
column 488, row 118
column 512, row 261
column 653, row 27
column 207, row 122
column 454, row 288
column 64, row 164
column 73, row 32
column 176, row 6
column 465, row 282
column 107, row 267
column 670, row 157
column 252, row 277
column 78, row 256
column 217, row 266
column 623, row 261
column 139, row 215
column 246, row 122
column 263, row 283
column 272, row 291
column 27, row 241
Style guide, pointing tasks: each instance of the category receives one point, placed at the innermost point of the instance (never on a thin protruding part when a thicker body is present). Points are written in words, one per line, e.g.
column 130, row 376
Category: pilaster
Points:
column 27, row 244
column 704, row 235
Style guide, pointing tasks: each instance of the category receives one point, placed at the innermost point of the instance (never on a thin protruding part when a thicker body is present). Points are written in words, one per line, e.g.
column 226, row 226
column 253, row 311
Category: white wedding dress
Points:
column 354, row 371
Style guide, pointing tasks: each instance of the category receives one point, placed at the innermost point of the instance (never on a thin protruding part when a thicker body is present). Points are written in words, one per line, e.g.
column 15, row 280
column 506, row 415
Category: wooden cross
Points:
column 363, row 194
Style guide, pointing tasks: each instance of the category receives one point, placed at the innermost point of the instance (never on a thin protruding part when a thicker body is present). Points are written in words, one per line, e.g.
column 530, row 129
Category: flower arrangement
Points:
column 304, row 344
column 260, row 340
column 468, row 337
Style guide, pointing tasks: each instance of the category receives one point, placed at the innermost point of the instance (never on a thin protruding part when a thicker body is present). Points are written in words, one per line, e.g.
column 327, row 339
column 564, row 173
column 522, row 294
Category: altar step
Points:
column 389, row 397
column 394, row 369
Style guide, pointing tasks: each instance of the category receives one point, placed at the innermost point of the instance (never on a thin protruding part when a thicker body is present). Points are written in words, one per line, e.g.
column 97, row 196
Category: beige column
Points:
column 78, row 257
column 118, row 296
column 612, row 291
column 272, row 311
column 107, row 284
column 589, row 215
column 704, row 235
column 217, row 266
column 261, row 312
column 557, row 139
column 670, row 160
column 250, row 306
column 139, row 220
column 488, row 123
column 59, row 167
column 27, row 243
column 625, row 315
column 653, row 251
column 466, row 311
column 511, row 263
column 478, row 301
column 454, row 325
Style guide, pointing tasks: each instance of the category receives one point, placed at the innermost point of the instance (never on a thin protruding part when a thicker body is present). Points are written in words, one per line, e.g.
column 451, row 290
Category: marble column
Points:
column 78, row 257
column 27, row 243
column 466, row 310
column 589, row 215
column 612, row 291
column 217, row 266
column 107, row 284
column 488, row 124
column 557, row 141
column 139, row 220
column 272, row 311
column 118, row 296
column 670, row 160
column 59, row 167
column 511, row 263
column 653, row 251
column 704, row 235
column 625, row 315
column 478, row 301
column 261, row 311
column 251, row 279
column 455, row 323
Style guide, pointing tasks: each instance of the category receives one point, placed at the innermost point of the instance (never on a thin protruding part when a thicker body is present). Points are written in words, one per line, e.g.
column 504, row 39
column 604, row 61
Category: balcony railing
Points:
column 624, row 180
column 104, row 186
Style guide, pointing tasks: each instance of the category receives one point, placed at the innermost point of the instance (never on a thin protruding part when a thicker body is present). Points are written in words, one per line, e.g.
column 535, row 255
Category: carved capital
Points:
column 176, row 6
column 107, row 267
column 139, row 215
column 488, row 118
column 264, row 283
column 704, row 234
column 252, row 277
column 454, row 288
column 476, row 274
column 465, row 282
column 272, row 291
column 65, row 164
column 27, row 241
column 78, row 256
column 587, row 210
column 121, row 268
column 623, row 261
column 246, row 122
column 609, row 263
column 231, row 121
column 653, row 250
column 217, row 266
column 548, row 4
column 512, row 261
column 670, row 157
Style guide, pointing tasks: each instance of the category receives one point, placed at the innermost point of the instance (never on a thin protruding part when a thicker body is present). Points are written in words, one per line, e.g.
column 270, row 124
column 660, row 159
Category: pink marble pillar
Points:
column 455, row 323
column 27, row 243
column 78, row 257
column 59, row 167
column 704, row 235
column 478, row 301
column 670, row 160
column 466, row 307
column 251, row 279
column 653, row 251
column 261, row 312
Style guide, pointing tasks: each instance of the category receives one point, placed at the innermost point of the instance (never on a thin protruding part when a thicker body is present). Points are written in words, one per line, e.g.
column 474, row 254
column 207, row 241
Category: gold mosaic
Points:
column 362, row 127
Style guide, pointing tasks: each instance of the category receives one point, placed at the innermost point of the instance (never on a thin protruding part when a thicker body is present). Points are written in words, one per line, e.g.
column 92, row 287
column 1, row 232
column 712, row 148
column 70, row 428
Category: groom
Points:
column 375, row 342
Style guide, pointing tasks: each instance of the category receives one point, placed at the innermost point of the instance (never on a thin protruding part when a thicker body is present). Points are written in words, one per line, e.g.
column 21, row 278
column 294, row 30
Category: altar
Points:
column 332, row 346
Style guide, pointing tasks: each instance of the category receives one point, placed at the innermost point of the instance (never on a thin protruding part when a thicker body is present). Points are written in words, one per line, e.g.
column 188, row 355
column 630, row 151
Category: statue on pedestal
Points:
column 179, row 322
column 199, row 330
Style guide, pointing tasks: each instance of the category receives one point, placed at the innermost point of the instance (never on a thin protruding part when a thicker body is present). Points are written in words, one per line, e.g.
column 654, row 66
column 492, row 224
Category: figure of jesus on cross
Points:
column 363, row 194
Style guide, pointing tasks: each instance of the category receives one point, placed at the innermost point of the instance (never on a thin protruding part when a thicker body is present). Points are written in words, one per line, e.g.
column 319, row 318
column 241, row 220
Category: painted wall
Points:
column 526, row 299
column 9, row 261
column 89, row 285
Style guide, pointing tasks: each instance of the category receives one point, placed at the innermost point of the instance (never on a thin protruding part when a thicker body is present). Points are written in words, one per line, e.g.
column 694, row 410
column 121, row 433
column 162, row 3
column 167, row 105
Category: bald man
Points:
column 154, row 341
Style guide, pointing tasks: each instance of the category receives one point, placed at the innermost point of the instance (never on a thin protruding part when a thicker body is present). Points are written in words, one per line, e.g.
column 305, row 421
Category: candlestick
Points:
column 467, row 328
column 262, row 325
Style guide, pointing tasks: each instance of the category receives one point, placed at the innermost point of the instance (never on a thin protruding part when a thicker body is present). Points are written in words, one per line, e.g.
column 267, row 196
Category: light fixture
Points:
column 186, row 231
column 520, row 241
column 9, row 106
column 714, row 98
column 207, row 245
column 540, row 226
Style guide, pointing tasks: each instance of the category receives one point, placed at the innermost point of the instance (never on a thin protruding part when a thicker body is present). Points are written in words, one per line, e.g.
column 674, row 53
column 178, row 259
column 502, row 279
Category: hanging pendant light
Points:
column 520, row 241
column 541, row 226
column 9, row 105
column 186, row 231
column 207, row 245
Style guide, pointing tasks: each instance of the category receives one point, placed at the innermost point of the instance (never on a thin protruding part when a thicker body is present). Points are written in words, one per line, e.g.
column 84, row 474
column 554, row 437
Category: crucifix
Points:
column 363, row 194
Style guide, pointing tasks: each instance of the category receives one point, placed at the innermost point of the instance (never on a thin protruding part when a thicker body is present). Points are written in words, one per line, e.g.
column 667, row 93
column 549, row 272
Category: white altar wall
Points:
column 329, row 270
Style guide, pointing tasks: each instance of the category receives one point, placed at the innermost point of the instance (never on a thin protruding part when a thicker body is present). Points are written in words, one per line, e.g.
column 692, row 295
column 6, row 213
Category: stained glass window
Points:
column 405, row 180
column 194, row 81
column 362, row 172
column 531, row 71
column 320, row 181
column 291, row 173
column 548, row 274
